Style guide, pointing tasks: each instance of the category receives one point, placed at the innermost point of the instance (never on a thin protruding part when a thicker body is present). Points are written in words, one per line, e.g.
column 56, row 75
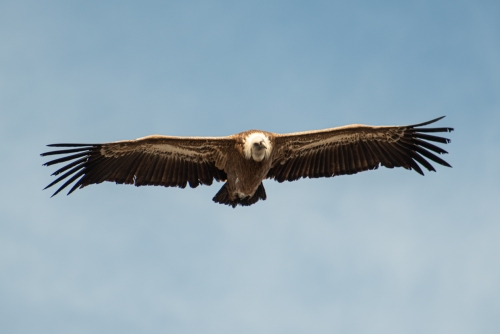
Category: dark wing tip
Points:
column 70, row 145
column 419, row 143
column 444, row 129
column 74, row 150
column 427, row 123
column 77, row 159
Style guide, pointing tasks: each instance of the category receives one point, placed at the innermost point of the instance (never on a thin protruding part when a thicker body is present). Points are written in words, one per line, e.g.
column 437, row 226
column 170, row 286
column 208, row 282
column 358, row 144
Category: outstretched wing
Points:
column 355, row 148
column 153, row 160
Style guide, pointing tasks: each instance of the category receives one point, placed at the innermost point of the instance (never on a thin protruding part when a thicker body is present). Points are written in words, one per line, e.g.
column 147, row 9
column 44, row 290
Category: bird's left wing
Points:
column 152, row 160
column 355, row 148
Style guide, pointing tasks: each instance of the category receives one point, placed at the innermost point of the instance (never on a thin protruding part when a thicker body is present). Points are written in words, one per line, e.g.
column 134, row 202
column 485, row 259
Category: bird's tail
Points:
column 222, row 197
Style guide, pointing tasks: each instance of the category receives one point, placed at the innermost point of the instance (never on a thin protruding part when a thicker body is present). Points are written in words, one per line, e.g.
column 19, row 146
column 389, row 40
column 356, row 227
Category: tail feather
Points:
column 222, row 197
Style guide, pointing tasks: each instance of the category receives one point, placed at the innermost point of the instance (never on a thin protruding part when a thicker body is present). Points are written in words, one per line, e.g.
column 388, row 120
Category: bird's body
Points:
column 247, row 169
column 245, row 159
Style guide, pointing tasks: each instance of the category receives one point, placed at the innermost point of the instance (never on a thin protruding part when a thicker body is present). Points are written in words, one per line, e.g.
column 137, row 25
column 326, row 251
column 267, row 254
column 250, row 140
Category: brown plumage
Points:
column 244, row 160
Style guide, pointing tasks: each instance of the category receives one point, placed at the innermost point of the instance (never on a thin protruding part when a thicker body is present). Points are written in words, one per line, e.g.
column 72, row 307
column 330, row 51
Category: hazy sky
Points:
column 385, row 251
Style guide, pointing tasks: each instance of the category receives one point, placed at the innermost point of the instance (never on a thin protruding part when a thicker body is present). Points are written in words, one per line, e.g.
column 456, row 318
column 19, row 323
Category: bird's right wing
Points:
column 355, row 148
column 152, row 160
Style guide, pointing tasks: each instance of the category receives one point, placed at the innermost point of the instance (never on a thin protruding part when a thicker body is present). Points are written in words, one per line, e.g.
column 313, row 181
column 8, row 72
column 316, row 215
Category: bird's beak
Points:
column 263, row 144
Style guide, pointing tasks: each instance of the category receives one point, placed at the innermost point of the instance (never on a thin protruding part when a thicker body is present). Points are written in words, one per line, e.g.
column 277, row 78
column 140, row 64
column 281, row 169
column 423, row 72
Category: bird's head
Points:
column 257, row 147
column 259, row 150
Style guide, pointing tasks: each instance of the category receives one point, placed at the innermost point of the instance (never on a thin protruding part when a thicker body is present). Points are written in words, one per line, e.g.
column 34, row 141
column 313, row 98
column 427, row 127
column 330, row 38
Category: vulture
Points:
column 245, row 159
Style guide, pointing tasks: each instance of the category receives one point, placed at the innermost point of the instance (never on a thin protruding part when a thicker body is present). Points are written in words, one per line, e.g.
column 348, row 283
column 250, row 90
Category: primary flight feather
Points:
column 245, row 159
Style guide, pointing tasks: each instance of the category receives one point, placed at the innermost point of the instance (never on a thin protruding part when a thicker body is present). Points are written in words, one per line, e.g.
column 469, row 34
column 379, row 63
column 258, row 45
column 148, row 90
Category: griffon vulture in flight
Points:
column 245, row 159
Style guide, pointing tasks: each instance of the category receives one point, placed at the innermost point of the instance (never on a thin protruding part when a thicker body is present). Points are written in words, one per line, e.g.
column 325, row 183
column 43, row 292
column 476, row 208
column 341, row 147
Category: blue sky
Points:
column 384, row 251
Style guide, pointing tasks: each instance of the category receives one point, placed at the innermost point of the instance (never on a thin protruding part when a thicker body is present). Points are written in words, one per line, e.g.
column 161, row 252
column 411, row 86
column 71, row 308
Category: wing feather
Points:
column 149, row 169
column 67, row 183
column 172, row 173
column 349, row 158
column 129, row 173
column 168, row 171
column 192, row 177
column 400, row 156
column 365, row 153
column 289, row 168
column 355, row 148
column 320, row 163
column 335, row 157
column 390, row 160
column 68, row 166
column 182, row 173
column 208, row 172
column 201, row 173
column 341, row 160
column 432, row 138
column 306, row 165
column 327, row 162
column 153, row 160
column 358, row 165
column 64, row 159
column 370, row 159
